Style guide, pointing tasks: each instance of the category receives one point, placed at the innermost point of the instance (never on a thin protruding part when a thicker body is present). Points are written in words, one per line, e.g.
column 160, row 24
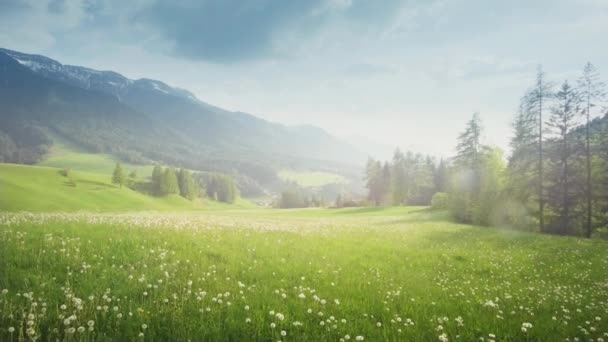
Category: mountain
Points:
column 146, row 120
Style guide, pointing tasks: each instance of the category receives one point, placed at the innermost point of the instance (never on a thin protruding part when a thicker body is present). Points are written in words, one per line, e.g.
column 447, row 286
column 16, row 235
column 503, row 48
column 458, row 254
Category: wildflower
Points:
column 443, row 337
column 81, row 329
column 144, row 326
column 273, row 325
column 11, row 330
column 359, row 338
column 283, row 333
column 379, row 324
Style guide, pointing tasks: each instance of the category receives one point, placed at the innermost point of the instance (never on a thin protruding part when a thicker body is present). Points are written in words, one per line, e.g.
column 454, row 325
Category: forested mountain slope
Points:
column 146, row 120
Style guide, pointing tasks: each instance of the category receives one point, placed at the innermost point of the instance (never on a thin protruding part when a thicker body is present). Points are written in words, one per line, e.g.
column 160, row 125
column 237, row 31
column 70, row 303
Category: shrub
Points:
column 439, row 200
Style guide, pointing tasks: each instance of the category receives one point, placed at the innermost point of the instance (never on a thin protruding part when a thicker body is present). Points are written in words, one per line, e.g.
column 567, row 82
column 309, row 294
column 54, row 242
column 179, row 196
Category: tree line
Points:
column 171, row 181
column 408, row 179
column 554, row 181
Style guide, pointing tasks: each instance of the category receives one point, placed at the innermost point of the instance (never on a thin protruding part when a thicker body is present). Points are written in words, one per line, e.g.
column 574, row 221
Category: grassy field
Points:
column 65, row 155
column 35, row 188
column 311, row 178
column 397, row 274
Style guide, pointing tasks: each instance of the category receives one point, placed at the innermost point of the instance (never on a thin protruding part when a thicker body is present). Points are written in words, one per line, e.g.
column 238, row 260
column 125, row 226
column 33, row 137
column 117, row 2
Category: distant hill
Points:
column 143, row 121
column 36, row 188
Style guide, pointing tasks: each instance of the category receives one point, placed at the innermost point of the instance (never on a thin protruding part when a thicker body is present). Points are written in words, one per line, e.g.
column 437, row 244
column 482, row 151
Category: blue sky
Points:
column 407, row 73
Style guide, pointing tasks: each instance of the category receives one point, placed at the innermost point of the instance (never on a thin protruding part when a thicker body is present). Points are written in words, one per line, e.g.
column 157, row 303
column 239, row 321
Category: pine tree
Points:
column 187, row 186
column 592, row 91
column 441, row 177
column 521, row 170
column 386, row 181
column 536, row 101
column 561, row 122
column 465, row 187
column 169, row 182
column 399, row 178
column 157, row 180
column 118, row 176
column 374, row 181
column 468, row 150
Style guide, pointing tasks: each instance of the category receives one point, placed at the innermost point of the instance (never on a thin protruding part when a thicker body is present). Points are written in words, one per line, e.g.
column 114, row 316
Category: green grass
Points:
column 311, row 178
column 66, row 155
column 35, row 188
column 395, row 274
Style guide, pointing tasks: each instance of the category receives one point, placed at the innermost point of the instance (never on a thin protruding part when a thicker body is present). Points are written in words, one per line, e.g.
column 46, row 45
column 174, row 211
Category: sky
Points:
column 376, row 72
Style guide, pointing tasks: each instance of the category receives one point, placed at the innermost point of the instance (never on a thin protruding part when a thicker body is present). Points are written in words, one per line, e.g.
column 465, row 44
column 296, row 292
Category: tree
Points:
column 441, row 177
column 469, row 146
column 118, row 176
column 561, row 122
column 488, row 198
column 536, row 100
column 374, row 181
column 169, row 184
column 386, row 181
column 465, row 185
column 157, row 179
column 187, row 186
column 592, row 91
column 399, row 178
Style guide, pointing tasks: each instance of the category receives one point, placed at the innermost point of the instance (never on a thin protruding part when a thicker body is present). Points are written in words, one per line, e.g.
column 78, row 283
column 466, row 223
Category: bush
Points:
column 439, row 200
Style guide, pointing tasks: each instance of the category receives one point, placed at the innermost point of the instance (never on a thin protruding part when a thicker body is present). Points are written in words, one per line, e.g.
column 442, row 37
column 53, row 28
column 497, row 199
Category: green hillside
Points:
column 64, row 154
column 36, row 188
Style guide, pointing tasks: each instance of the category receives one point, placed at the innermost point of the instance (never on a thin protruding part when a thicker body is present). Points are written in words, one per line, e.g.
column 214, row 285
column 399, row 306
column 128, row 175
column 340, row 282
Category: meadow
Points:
column 395, row 274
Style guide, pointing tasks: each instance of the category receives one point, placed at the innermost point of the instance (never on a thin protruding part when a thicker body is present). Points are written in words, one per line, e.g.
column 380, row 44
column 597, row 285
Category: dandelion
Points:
column 81, row 329
column 247, row 320
column 379, row 324
column 144, row 326
column 283, row 333
column 443, row 337
column 11, row 330
column 359, row 338
column 273, row 325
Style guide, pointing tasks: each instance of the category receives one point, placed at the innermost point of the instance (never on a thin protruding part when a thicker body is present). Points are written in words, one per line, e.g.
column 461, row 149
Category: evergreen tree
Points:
column 386, row 181
column 169, row 184
column 157, row 180
column 592, row 91
column 118, row 176
column 374, row 181
column 187, row 186
column 399, row 178
column 521, row 171
column 465, row 186
column 561, row 122
column 536, row 101
column 441, row 177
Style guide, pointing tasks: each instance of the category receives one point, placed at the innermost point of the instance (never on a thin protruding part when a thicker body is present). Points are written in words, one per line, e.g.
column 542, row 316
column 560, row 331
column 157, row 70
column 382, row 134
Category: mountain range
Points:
column 146, row 120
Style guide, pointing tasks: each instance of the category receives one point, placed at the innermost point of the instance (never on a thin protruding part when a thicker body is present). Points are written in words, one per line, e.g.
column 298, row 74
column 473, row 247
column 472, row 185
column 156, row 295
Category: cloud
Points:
column 225, row 30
